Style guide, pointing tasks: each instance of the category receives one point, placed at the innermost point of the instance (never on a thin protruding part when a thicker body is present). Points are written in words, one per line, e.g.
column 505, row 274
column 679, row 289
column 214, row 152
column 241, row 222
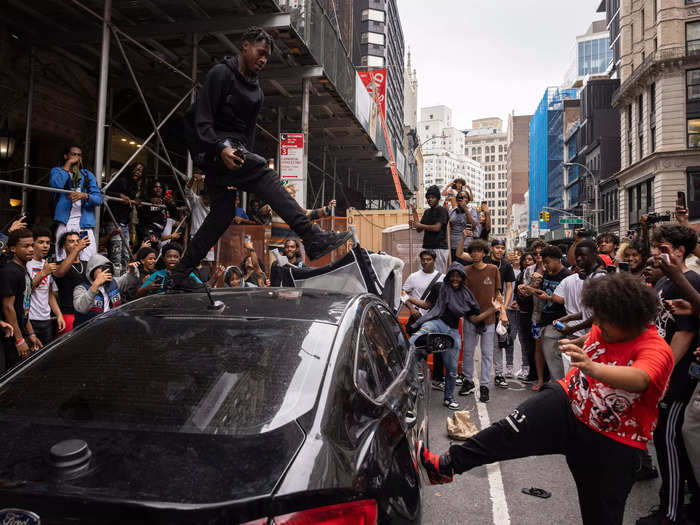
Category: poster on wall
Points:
column 292, row 165
column 375, row 79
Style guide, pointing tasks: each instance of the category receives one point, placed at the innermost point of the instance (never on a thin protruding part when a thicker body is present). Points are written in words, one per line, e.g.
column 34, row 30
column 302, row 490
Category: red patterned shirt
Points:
column 627, row 417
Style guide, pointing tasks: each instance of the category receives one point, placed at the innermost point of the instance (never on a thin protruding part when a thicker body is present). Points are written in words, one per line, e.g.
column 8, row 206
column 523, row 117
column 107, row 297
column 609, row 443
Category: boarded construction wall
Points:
column 370, row 223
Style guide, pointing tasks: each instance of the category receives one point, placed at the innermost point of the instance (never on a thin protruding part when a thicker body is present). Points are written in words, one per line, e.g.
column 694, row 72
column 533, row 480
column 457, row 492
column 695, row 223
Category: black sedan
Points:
column 281, row 406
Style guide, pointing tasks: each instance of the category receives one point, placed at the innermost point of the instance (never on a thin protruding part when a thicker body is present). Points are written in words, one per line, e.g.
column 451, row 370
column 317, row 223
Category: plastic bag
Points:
column 501, row 329
column 460, row 426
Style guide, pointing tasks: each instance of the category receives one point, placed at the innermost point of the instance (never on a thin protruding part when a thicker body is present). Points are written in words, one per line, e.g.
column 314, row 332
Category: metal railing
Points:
column 657, row 57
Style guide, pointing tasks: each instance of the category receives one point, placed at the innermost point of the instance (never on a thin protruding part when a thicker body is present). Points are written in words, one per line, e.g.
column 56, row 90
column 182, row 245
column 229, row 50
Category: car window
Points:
column 175, row 374
column 396, row 334
column 365, row 374
column 378, row 354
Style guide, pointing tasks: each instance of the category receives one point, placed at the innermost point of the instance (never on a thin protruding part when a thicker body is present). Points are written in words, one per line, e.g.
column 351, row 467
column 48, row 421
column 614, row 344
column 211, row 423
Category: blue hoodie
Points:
column 62, row 179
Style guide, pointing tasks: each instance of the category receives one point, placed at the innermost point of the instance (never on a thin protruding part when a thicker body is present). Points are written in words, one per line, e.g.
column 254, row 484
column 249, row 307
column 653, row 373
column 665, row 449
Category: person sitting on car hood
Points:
column 101, row 292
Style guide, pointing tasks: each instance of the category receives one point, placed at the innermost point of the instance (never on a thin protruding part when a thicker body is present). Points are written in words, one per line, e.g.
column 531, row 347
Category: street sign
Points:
column 291, row 167
column 571, row 220
column 535, row 228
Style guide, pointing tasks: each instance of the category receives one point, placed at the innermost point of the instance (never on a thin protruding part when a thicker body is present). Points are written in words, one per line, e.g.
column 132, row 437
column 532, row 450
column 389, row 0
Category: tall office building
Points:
column 379, row 43
column 487, row 144
column 659, row 107
column 517, row 163
column 411, row 141
column 443, row 152
column 611, row 8
column 554, row 113
column 590, row 56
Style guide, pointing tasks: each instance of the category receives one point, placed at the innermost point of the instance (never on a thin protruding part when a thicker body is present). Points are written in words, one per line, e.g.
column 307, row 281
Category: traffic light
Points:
column 546, row 216
column 541, row 215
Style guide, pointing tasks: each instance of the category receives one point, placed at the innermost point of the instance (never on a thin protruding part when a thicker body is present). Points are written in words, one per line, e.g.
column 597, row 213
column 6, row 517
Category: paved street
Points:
column 476, row 498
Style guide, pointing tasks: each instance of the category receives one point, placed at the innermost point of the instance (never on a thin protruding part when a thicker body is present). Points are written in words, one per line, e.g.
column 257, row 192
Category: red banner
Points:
column 379, row 77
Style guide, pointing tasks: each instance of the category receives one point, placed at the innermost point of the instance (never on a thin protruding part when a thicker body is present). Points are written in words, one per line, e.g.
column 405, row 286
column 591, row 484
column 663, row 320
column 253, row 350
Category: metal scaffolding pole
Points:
column 102, row 104
column 323, row 176
column 28, row 130
column 305, row 92
column 193, row 94
column 280, row 116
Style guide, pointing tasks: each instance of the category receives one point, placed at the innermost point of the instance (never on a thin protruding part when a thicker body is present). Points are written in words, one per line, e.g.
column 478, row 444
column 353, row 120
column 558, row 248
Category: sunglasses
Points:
column 460, row 198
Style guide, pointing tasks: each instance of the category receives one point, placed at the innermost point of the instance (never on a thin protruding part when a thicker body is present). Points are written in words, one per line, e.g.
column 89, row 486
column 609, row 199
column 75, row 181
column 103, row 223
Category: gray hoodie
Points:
column 84, row 296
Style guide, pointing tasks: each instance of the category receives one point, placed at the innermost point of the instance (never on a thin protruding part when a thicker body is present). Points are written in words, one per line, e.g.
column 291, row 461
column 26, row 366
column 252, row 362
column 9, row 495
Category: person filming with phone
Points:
column 75, row 211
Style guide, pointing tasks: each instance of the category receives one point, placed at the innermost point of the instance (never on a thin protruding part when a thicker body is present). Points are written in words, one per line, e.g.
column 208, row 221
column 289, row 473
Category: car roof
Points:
column 281, row 303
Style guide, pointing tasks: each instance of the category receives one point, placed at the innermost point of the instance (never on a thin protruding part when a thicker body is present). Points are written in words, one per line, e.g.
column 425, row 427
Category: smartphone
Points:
column 694, row 370
column 611, row 268
column 51, row 259
column 83, row 234
column 559, row 325
column 624, row 266
column 666, row 258
column 681, row 199
column 247, row 237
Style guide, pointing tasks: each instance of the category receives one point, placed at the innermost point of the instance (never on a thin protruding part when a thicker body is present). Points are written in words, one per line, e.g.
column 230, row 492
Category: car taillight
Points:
column 353, row 513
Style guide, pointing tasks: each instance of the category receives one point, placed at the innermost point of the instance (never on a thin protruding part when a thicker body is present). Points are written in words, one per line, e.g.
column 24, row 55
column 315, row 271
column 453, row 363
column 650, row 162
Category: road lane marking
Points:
column 499, row 505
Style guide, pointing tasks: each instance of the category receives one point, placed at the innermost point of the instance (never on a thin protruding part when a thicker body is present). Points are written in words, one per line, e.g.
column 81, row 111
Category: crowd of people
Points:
column 58, row 275
column 608, row 331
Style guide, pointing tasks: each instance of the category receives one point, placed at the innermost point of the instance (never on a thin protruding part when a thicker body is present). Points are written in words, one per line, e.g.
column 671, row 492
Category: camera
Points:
column 585, row 234
column 655, row 217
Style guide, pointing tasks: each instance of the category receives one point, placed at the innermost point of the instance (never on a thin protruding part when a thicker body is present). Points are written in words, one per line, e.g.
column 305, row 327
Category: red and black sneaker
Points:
column 431, row 464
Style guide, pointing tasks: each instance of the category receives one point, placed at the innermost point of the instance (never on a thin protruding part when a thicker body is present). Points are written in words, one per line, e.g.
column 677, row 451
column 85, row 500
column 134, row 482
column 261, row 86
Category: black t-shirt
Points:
column 204, row 273
column 681, row 385
column 435, row 240
column 504, row 268
column 552, row 311
column 67, row 284
column 15, row 281
column 122, row 211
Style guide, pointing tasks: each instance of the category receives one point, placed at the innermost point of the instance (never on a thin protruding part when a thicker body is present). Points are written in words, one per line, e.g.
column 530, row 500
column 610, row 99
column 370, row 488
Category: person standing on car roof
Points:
column 220, row 131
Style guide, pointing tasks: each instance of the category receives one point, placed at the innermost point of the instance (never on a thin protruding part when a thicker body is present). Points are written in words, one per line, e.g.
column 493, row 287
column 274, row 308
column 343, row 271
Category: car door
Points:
column 415, row 413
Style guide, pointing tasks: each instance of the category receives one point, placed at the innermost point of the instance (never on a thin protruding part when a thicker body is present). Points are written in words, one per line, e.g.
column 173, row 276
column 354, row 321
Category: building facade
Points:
column 546, row 162
column 379, row 43
column 590, row 56
column 517, row 163
column 611, row 8
column 487, row 144
column 443, row 152
column 411, row 141
column 659, row 107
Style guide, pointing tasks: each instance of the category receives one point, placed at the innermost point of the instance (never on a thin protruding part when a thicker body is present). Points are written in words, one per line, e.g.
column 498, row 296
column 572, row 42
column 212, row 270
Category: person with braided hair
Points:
column 220, row 133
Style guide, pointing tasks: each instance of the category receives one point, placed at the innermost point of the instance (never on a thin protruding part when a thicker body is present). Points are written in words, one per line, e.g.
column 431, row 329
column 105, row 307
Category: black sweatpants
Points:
column 527, row 342
column 254, row 176
column 603, row 468
column 674, row 464
column 44, row 330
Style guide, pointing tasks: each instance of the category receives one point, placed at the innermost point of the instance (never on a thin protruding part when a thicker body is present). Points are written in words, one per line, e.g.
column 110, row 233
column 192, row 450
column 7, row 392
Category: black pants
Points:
column 253, row 177
column 674, row 464
column 10, row 356
column 527, row 342
column 603, row 468
column 44, row 330
column 438, row 367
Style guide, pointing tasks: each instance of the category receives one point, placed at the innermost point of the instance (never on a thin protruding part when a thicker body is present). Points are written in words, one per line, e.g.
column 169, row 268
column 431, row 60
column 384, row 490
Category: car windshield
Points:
column 174, row 374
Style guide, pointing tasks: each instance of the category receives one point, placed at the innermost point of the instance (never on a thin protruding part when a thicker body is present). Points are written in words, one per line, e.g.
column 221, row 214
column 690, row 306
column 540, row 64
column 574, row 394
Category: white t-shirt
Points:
column 39, row 309
column 570, row 289
column 199, row 210
column 418, row 282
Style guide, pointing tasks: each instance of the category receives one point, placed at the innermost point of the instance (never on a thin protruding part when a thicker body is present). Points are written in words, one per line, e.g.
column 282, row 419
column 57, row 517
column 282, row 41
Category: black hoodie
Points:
column 227, row 107
column 451, row 303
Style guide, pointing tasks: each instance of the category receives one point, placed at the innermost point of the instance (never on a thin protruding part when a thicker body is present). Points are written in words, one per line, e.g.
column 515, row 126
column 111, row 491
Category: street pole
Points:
column 102, row 104
column 28, row 130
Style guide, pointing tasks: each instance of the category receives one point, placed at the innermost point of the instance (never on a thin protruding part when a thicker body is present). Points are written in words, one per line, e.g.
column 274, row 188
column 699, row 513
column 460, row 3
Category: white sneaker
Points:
column 523, row 373
column 509, row 371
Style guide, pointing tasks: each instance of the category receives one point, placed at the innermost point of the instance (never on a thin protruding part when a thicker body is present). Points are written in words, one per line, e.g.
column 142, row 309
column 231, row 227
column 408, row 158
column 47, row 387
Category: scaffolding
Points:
column 310, row 84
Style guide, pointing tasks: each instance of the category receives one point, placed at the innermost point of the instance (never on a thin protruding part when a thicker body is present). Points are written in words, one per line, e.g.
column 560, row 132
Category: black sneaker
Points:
column 438, row 385
column 451, row 404
column 467, row 388
column 318, row 243
column 484, row 394
column 646, row 469
column 177, row 281
column 657, row 517
column 501, row 382
column 437, row 467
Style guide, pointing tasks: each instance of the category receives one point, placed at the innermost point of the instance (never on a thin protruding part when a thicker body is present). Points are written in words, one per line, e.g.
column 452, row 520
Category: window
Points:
column 641, row 200
column 693, row 84
column 692, row 38
column 694, row 192
column 652, row 118
column 378, row 360
column 372, row 38
column 372, row 14
column 640, row 124
column 694, row 133
column 629, row 134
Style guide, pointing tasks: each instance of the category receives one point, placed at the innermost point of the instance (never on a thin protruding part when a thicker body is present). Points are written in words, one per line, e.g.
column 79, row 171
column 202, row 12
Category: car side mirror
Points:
column 434, row 343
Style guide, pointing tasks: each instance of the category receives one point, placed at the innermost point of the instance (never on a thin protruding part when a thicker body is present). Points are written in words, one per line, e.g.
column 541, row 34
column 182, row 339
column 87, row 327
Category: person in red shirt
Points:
column 600, row 416
column 607, row 247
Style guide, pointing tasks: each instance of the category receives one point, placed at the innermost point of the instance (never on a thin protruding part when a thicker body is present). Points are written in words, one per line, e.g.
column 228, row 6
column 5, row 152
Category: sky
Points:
column 488, row 58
